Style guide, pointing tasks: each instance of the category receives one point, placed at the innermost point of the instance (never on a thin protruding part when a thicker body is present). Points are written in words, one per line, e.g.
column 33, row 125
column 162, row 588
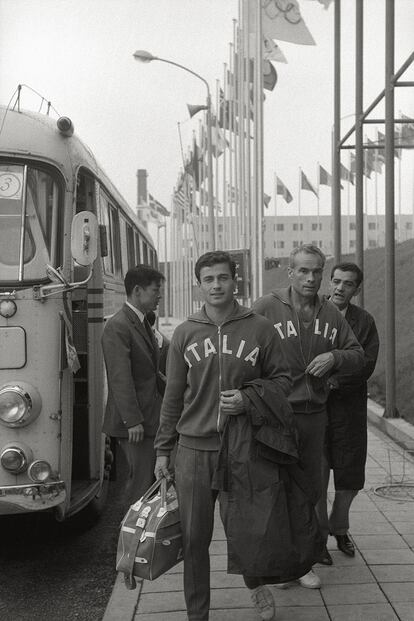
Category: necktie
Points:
column 149, row 330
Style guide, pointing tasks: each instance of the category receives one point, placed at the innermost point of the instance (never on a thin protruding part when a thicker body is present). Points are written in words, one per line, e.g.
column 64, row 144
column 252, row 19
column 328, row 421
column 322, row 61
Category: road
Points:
column 49, row 571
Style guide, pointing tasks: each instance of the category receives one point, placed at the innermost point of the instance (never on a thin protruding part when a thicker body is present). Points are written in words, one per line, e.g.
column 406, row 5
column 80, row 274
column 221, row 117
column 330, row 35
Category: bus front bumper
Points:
column 35, row 497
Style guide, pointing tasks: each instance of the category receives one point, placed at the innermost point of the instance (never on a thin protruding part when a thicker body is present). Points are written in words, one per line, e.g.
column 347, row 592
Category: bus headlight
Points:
column 15, row 457
column 39, row 471
column 20, row 404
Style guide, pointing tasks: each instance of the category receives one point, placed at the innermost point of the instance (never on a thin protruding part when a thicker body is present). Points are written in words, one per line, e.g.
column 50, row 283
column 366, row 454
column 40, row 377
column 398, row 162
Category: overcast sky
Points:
column 78, row 55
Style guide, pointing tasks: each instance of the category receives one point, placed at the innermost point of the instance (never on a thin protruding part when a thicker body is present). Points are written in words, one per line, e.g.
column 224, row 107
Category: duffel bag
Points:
column 150, row 540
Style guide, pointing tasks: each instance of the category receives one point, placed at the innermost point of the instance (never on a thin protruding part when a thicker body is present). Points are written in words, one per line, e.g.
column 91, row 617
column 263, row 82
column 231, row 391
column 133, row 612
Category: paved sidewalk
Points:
column 376, row 585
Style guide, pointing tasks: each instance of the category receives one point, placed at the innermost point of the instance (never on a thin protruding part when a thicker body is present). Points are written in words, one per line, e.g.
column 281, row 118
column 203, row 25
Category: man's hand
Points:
column 231, row 402
column 321, row 364
column 161, row 467
column 136, row 434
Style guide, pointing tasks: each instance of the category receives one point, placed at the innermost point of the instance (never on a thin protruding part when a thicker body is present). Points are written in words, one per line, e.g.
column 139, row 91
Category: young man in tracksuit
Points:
column 317, row 341
column 211, row 356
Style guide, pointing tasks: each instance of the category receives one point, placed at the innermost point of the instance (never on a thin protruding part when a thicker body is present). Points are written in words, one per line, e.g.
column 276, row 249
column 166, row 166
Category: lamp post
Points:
column 147, row 57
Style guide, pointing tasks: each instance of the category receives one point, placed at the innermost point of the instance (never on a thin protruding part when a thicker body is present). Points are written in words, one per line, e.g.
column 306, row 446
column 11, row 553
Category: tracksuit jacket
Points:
column 330, row 333
column 205, row 359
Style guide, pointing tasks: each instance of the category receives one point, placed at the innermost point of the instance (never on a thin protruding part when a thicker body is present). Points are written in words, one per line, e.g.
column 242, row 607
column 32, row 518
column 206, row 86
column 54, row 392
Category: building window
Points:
column 280, row 227
column 280, row 244
column 220, row 228
column 352, row 243
column 314, row 242
column 372, row 226
column 295, row 226
column 372, row 243
column 295, row 244
column 314, row 227
column 320, row 226
column 352, row 226
column 409, row 226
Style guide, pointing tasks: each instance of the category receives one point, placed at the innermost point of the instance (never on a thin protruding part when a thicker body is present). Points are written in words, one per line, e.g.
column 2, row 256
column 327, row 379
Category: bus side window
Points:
column 116, row 240
column 130, row 246
column 105, row 221
column 124, row 249
column 145, row 252
column 138, row 258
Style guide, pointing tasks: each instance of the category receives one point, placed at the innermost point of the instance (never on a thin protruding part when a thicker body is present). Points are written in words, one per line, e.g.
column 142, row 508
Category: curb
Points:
column 398, row 429
column 122, row 604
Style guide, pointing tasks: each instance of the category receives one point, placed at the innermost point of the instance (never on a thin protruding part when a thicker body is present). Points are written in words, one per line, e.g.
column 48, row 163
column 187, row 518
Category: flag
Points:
column 346, row 175
column 271, row 51
column 378, row 156
column 324, row 177
column 397, row 139
column 325, row 3
column 372, row 162
column 367, row 168
column 224, row 111
column 266, row 200
column 218, row 141
column 269, row 73
column 305, row 184
column 281, row 19
column 407, row 131
column 156, row 206
column 269, row 76
column 192, row 166
column 283, row 191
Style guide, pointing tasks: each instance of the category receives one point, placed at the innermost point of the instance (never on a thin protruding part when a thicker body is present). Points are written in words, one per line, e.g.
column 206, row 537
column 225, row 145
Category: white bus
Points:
column 67, row 238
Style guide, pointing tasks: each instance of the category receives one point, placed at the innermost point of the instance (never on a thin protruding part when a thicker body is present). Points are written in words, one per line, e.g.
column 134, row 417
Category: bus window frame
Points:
column 57, row 237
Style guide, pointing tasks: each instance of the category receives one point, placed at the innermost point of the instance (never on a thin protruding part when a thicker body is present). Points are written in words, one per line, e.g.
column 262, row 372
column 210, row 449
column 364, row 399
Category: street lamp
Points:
column 147, row 57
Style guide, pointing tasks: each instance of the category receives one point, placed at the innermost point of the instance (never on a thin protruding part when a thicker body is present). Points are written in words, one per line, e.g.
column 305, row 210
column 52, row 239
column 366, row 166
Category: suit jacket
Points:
column 347, row 407
column 132, row 367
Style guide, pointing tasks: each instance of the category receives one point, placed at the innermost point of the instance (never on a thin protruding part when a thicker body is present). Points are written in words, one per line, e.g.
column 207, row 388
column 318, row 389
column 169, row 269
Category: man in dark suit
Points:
column 346, row 434
column 134, row 387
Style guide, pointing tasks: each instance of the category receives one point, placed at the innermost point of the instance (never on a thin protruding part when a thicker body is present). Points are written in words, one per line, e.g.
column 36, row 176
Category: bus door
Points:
column 87, row 318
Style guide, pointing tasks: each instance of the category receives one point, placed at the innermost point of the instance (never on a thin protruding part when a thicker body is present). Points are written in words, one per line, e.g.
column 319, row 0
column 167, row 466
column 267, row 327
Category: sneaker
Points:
column 262, row 600
column 310, row 581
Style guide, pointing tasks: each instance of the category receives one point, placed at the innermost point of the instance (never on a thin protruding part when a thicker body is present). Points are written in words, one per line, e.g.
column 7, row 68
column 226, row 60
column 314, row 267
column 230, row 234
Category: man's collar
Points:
column 139, row 314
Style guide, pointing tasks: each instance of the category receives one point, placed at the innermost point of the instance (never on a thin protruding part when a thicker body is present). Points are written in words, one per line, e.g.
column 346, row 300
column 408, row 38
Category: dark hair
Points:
column 349, row 267
column 208, row 259
column 307, row 249
column 142, row 275
column 151, row 317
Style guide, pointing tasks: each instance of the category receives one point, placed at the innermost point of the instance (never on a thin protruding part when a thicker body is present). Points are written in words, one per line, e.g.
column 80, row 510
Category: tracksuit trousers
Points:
column 193, row 478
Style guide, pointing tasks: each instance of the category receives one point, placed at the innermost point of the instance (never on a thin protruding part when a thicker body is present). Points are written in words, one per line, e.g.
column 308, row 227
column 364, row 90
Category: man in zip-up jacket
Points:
column 317, row 341
column 211, row 356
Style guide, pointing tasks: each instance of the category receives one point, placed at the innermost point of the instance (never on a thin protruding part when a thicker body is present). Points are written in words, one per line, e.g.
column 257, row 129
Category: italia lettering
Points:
column 322, row 330
column 196, row 352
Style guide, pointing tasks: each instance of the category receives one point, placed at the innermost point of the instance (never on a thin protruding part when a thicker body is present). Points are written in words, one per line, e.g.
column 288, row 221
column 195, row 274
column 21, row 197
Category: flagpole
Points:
column 300, row 186
column 259, row 147
column 233, row 228
column 318, row 174
column 275, row 204
column 227, row 228
column 348, row 205
column 376, row 198
column 216, row 173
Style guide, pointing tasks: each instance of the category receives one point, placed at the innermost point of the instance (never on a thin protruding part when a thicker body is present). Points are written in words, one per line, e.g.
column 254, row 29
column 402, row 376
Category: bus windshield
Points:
column 29, row 200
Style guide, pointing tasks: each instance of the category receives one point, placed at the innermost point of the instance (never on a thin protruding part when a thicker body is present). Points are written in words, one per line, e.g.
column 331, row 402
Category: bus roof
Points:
column 28, row 134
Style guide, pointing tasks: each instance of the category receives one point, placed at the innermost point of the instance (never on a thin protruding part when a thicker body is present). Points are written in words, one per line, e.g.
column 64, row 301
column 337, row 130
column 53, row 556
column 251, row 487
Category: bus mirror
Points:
column 84, row 238
column 103, row 240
